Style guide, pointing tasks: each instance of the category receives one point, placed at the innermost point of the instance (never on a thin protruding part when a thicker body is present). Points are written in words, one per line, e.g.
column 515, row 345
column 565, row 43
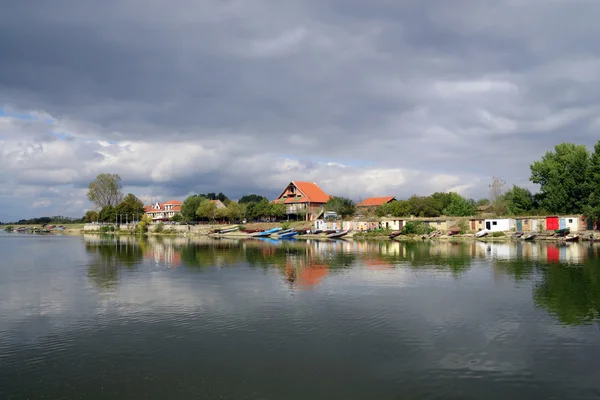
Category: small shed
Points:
column 395, row 224
column 477, row 224
column 499, row 225
column 552, row 223
column 527, row 224
column 571, row 222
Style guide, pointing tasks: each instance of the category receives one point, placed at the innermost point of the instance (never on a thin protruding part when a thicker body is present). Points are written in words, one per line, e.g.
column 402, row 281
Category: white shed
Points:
column 571, row 222
column 499, row 225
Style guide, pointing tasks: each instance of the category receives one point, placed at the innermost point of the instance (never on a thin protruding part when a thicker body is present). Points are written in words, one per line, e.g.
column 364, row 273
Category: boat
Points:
column 266, row 233
column 572, row 238
column 284, row 231
column 482, row 233
column 287, row 235
column 395, row 234
column 338, row 234
column 453, row 232
column 517, row 235
column 562, row 232
column 235, row 228
column 529, row 237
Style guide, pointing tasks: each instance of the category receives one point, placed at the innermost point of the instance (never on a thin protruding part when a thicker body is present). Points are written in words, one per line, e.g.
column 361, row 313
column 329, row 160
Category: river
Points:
column 94, row 317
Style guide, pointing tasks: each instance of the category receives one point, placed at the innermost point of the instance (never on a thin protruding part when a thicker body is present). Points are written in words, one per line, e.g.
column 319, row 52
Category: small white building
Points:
column 500, row 225
column 571, row 222
column 394, row 224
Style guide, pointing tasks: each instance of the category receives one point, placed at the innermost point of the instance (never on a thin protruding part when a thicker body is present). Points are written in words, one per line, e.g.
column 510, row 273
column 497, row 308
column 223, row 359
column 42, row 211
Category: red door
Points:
column 551, row 223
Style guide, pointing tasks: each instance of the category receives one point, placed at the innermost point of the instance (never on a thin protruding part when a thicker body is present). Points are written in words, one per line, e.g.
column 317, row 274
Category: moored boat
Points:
column 266, row 233
column 338, row 234
column 287, row 235
column 562, row 232
column 529, row 237
column 572, row 238
column 395, row 234
column 453, row 231
column 227, row 230
column 482, row 233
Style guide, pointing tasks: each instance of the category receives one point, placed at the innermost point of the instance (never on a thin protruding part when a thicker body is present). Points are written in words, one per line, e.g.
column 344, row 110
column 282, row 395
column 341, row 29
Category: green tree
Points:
column 177, row 218
column 130, row 205
column 343, row 206
column 234, row 211
column 497, row 199
column 190, row 206
column 459, row 206
column 401, row 208
column 105, row 190
column 519, row 201
column 90, row 216
column 442, row 200
column 222, row 214
column 423, row 206
column 592, row 208
column 251, row 198
column 563, row 178
column 207, row 209
column 277, row 210
column 107, row 214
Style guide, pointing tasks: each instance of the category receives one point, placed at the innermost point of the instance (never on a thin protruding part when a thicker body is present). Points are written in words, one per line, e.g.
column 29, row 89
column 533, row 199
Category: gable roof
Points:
column 375, row 201
column 310, row 191
column 174, row 202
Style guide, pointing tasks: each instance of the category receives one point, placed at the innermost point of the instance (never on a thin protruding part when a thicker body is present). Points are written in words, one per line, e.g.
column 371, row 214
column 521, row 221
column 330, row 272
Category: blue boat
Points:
column 266, row 233
column 287, row 235
column 268, row 240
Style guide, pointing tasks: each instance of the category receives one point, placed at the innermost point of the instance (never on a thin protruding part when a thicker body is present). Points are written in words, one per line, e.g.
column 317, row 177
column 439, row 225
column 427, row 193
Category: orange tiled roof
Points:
column 375, row 201
column 173, row 202
column 310, row 192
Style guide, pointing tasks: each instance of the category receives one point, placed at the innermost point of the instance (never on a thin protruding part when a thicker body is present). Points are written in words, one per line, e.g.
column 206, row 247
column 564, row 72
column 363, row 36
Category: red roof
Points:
column 310, row 191
column 375, row 201
column 174, row 202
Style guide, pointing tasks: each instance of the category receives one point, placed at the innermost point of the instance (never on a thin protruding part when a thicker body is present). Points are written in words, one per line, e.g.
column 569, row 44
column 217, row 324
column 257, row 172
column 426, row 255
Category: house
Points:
column 219, row 204
column 500, row 224
column 527, row 224
column 394, row 224
column 477, row 224
column 303, row 199
column 373, row 202
column 163, row 211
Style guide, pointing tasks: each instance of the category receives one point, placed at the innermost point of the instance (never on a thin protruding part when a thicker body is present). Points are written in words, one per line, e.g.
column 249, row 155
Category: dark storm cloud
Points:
column 416, row 90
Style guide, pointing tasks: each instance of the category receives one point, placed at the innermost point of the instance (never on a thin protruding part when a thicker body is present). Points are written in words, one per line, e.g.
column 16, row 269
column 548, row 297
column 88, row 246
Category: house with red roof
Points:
column 373, row 202
column 304, row 199
column 163, row 211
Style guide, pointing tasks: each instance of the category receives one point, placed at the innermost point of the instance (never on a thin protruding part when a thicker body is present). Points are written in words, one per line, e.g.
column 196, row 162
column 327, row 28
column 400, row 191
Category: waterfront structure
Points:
column 394, row 224
column 163, row 211
column 500, row 224
column 303, row 199
column 477, row 224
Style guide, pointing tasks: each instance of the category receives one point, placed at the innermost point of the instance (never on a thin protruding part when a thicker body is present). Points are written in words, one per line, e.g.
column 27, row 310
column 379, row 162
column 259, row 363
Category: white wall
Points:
column 500, row 225
column 573, row 225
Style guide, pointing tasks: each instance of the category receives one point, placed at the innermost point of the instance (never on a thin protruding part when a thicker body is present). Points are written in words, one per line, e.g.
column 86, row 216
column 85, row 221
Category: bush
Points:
column 159, row 228
column 498, row 234
column 9, row 228
column 416, row 228
column 286, row 225
column 107, row 228
column 463, row 225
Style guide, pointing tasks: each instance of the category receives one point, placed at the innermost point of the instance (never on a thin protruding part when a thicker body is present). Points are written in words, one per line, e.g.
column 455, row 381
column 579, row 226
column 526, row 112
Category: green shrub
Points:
column 159, row 228
column 107, row 228
column 498, row 234
column 463, row 225
column 9, row 228
column 416, row 228
column 286, row 225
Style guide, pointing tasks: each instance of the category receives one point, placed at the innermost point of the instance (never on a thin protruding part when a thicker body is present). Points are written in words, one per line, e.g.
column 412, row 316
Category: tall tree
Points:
column 563, row 178
column 423, row 206
column 251, row 198
column 234, row 211
column 519, row 201
column 592, row 208
column 190, row 206
column 130, row 205
column 459, row 206
column 497, row 199
column 90, row 216
column 207, row 209
column 105, row 190
column 399, row 208
column 343, row 206
column 442, row 200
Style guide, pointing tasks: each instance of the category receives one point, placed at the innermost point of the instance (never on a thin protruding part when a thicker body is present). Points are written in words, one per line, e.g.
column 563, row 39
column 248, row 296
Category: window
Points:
column 570, row 220
column 439, row 223
column 494, row 222
column 524, row 221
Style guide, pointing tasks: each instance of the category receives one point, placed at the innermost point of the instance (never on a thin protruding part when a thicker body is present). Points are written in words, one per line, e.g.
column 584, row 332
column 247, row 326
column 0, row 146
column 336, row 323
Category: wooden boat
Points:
column 287, row 235
column 572, row 238
column 482, row 233
column 453, row 232
column 235, row 228
column 338, row 234
column 283, row 232
column 517, row 235
column 562, row 232
column 250, row 230
column 266, row 233
column 529, row 237
column 395, row 234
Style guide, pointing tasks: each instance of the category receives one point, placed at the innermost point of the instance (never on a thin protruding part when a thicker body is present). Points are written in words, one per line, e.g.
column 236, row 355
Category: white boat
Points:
column 482, row 233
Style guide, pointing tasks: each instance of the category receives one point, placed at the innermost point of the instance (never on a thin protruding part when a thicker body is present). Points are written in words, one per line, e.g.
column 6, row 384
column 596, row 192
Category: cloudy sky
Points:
column 364, row 97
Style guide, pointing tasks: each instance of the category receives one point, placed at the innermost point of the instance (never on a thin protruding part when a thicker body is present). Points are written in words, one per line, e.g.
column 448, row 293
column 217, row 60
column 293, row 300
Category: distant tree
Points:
column 563, row 178
column 177, row 218
column 441, row 201
column 399, row 208
column 251, row 198
column 423, row 206
column 90, row 216
column 190, row 206
column 207, row 209
column 459, row 206
column 343, row 206
column 482, row 202
column 107, row 214
column 131, row 206
column 222, row 214
column 519, row 201
column 497, row 199
column 105, row 190
column 277, row 210
column 222, row 197
column 234, row 211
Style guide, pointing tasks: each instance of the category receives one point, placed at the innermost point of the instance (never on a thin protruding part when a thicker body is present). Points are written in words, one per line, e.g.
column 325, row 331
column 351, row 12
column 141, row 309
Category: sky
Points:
column 366, row 98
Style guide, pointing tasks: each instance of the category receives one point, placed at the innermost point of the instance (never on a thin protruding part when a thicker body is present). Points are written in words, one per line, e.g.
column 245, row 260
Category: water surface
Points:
column 100, row 318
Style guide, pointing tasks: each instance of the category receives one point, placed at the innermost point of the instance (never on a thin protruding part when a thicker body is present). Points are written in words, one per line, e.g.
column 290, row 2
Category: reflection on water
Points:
column 173, row 317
